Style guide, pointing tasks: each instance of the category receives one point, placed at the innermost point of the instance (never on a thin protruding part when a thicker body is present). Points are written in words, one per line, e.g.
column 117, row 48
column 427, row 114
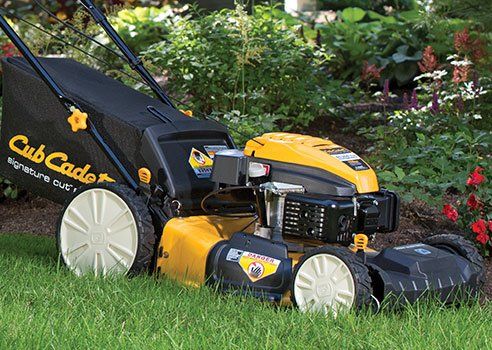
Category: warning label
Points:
column 348, row 157
column 258, row 266
column 200, row 163
column 213, row 149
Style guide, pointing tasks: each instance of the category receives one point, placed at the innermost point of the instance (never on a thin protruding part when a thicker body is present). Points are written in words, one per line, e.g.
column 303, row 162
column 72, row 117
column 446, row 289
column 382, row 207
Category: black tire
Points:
column 459, row 245
column 145, row 229
column 360, row 274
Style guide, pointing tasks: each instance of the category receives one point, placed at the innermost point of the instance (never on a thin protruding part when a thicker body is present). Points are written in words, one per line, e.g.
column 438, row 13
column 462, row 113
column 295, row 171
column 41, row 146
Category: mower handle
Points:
column 68, row 103
column 133, row 60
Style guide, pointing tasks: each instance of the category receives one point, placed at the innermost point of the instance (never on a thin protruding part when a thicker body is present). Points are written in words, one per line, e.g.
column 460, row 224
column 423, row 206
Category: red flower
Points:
column 473, row 202
column 479, row 227
column 483, row 238
column 462, row 41
column 429, row 60
column 370, row 72
column 490, row 225
column 479, row 51
column 450, row 212
column 8, row 50
column 461, row 74
column 475, row 178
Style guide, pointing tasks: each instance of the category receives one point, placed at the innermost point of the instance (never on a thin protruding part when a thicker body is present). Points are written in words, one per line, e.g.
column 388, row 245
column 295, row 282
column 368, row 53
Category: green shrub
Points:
column 141, row 27
column 254, row 72
column 377, row 5
column 394, row 43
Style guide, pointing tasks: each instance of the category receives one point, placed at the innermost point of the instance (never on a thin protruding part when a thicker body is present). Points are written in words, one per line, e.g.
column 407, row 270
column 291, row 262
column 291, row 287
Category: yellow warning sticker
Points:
column 258, row 266
column 200, row 163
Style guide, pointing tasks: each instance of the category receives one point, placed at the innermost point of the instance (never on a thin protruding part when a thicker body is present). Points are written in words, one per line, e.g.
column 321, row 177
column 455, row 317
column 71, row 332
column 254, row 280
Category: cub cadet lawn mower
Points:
column 147, row 186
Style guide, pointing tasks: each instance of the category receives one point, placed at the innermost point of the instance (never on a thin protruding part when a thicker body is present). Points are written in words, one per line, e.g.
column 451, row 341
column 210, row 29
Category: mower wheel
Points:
column 459, row 245
column 106, row 229
column 329, row 279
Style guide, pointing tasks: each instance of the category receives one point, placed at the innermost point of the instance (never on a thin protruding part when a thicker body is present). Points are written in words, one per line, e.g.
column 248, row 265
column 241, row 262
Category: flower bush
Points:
column 473, row 209
column 440, row 130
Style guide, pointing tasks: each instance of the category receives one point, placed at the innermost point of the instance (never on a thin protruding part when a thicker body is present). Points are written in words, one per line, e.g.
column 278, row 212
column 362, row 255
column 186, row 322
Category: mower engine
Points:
column 287, row 209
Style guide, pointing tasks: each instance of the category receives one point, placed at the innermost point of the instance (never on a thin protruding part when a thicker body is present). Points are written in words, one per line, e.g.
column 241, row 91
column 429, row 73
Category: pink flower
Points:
column 462, row 41
column 8, row 50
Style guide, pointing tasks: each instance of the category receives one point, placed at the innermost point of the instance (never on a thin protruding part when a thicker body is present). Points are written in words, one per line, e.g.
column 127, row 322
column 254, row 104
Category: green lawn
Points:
column 44, row 306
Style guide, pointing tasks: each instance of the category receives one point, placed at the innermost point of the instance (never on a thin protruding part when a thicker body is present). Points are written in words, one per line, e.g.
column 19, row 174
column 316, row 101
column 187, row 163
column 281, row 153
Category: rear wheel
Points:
column 329, row 280
column 106, row 229
column 459, row 245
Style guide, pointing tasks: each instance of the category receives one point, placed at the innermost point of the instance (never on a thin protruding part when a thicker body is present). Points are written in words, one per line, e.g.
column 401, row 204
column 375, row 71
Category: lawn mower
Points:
column 146, row 186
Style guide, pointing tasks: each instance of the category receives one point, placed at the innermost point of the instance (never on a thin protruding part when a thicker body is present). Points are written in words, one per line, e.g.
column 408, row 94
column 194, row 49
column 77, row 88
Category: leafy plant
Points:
column 381, row 6
column 250, row 71
column 360, row 35
column 430, row 166
column 8, row 189
column 141, row 27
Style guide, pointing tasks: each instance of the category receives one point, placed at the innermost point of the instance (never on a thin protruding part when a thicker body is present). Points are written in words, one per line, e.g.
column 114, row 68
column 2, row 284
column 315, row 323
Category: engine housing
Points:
column 335, row 219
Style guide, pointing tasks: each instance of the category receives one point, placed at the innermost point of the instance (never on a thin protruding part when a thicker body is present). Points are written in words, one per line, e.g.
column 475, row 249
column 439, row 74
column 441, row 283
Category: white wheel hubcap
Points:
column 98, row 234
column 324, row 284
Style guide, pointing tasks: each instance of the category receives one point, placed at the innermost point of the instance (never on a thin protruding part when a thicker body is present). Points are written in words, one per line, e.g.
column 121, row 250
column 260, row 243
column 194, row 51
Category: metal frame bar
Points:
column 133, row 60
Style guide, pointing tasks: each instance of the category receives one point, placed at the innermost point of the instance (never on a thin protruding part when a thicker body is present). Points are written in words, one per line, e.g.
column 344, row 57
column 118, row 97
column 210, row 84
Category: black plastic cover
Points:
column 224, row 269
column 378, row 212
column 125, row 118
column 230, row 168
column 408, row 272
column 329, row 219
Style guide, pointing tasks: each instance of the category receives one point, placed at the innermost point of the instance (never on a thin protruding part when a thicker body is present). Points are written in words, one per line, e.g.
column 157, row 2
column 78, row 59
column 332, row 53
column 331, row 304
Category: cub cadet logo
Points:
column 56, row 161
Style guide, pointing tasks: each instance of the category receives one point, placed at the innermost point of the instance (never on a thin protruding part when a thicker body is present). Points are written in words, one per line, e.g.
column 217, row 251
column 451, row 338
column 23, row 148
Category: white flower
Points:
column 438, row 74
column 477, row 116
column 469, row 91
column 435, row 75
column 462, row 63
column 451, row 97
column 160, row 17
column 421, row 76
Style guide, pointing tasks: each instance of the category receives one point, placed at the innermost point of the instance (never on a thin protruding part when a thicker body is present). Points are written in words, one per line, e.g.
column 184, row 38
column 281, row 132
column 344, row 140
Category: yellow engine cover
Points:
column 314, row 152
column 186, row 242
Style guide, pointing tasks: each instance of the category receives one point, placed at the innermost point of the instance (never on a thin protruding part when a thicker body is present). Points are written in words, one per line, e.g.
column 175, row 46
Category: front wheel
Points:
column 106, row 229
column 331, row 279
column 459, row 245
